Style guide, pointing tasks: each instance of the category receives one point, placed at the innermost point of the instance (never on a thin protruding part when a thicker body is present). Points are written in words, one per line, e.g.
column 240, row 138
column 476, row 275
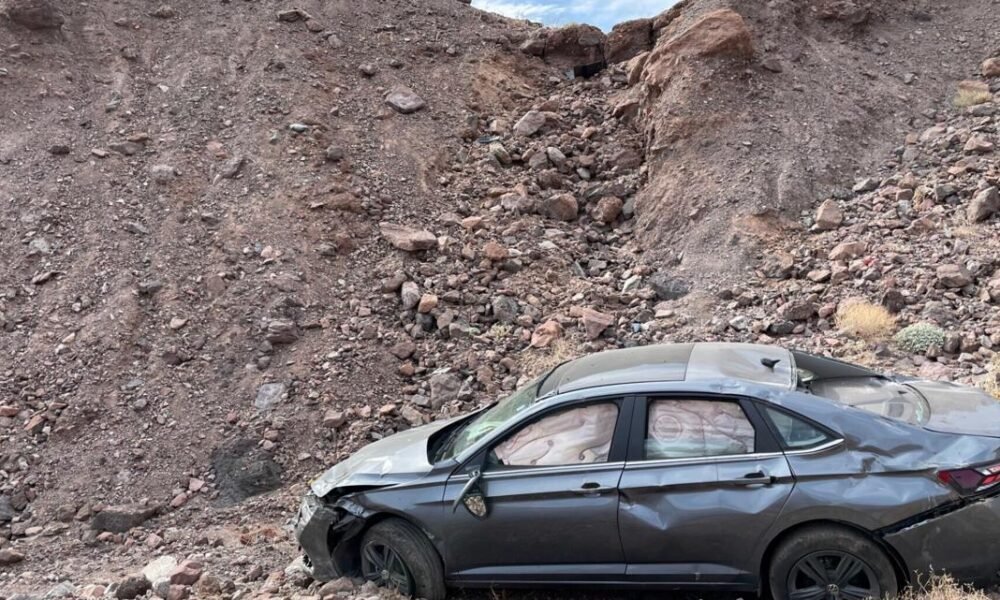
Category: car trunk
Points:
column 959, row 409
column 934, row 405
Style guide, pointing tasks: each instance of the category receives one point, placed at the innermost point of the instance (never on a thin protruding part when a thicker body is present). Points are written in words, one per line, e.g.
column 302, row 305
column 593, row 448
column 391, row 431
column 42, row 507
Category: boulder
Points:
column 34, row 14
column 567, row 47
column 984, row 205
column 721, row 33
column 121, row 518
column 953, row 276
column 629, row 39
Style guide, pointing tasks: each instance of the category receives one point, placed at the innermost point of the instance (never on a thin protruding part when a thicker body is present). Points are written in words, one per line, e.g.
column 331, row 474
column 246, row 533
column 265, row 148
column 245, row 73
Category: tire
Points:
column 422, row 566
column 812, row 558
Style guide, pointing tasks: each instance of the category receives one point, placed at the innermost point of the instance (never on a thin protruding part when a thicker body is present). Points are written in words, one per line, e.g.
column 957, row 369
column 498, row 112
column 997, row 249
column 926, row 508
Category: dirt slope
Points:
column 740, row 138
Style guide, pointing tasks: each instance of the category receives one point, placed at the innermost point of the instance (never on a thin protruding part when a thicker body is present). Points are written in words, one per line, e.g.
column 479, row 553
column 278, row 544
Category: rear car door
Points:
column 550, row 488
column 704, row 480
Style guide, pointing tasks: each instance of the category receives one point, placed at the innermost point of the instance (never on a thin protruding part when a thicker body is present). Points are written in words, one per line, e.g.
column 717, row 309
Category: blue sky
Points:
column 603, row 13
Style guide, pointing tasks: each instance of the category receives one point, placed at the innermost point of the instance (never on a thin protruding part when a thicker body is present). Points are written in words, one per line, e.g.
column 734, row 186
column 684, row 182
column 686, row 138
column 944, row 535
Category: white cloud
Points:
column 602, row 13
column 536, row 11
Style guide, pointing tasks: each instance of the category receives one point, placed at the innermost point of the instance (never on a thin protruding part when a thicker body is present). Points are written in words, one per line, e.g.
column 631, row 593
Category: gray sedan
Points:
column 685, row 466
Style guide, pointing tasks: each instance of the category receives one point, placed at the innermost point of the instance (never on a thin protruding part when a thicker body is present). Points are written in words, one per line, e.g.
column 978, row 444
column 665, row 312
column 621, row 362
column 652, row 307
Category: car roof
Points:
column 754, row 363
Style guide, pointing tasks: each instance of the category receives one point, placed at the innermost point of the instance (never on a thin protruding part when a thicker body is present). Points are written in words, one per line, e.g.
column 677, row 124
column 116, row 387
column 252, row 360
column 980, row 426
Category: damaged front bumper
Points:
column 312, row 531
column 964, row 543
column 320, row 528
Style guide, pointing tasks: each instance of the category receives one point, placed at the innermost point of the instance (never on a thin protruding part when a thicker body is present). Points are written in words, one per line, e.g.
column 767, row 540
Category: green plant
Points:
column 919, row 337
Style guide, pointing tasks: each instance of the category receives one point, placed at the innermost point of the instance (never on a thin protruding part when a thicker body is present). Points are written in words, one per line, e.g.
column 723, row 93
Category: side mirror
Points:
column 472, row 496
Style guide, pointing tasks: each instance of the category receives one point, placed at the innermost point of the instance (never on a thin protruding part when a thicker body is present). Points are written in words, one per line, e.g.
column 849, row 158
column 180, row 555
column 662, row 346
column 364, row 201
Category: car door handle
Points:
column 592, row 488
column 760, row 477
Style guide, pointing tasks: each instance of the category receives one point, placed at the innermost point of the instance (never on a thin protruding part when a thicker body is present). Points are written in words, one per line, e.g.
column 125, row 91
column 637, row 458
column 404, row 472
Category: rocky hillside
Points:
column 242, row 239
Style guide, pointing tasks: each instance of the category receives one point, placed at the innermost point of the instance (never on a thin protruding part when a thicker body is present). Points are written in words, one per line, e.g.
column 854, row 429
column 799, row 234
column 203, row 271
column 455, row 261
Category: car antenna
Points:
column 770, row 363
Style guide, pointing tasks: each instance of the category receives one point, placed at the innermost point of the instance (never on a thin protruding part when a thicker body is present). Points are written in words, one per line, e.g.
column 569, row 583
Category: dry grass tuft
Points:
column 943, row 587
column 992, row 384
column 534, row 361
column 870, row 322
column 970, row 97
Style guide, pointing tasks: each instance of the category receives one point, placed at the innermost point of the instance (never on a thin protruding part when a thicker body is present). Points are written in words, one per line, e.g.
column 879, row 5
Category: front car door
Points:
column 550, row 488
column 703, row 482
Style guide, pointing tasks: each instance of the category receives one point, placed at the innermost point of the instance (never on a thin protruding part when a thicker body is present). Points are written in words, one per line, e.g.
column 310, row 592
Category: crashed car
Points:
column 680, row 466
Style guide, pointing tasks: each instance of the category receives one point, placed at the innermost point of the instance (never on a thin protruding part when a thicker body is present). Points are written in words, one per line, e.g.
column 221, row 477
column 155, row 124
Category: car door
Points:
column 703, row 481
column 550, row 489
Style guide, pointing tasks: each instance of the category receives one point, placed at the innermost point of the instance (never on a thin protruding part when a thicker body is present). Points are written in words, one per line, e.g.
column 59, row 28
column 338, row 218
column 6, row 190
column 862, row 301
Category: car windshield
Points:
column 482, row 424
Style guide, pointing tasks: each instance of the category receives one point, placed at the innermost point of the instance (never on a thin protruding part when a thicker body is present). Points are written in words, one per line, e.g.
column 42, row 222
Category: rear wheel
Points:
column 831, row 563
column 397, row 555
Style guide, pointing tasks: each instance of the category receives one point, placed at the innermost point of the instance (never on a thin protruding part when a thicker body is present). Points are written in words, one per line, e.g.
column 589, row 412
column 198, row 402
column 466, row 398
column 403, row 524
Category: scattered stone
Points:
column 333, row 419
column 408, row 239
column 595, row 322
column 164, row 11
column 978, row 144
column 545, row 334
column 404, row 100
column 797, row 311
column 445, row 386
column 162, row 174
column 186, row 573
column 292, row 15
column 561, row 207
column 530, row 124
column 282, row 331
column 268, row 396
column 132, row 586
column 953, row 276
column 991, row 67
column 848, row 250
column 668, row 287
column 9, row 556
column 829, row 216
column 608, row 209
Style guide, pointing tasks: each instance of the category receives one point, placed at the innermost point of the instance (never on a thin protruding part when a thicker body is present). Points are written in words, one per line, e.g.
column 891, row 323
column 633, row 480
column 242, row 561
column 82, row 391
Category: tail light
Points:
column 973, row 479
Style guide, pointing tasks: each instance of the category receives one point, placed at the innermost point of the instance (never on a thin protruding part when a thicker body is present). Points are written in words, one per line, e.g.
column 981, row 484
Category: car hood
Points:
column 390, row 461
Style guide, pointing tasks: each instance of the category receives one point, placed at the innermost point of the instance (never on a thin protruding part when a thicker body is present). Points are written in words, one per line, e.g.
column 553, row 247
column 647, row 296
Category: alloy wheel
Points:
column 384, row 566
column 831, row 575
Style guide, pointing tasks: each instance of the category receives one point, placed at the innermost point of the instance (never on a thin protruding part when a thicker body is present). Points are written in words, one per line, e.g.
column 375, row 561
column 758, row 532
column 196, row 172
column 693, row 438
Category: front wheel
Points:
column 397, row 555
column 831, row 563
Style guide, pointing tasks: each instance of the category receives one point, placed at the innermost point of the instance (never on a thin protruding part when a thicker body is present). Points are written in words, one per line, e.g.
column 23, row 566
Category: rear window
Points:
column 881, row 396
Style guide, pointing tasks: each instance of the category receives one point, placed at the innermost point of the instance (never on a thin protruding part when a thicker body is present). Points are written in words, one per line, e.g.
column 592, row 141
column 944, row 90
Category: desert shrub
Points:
column 917, row 338
column 971, row 97
column 943, row 587
column 992, row 384
column 536, row 361
column 865, row 320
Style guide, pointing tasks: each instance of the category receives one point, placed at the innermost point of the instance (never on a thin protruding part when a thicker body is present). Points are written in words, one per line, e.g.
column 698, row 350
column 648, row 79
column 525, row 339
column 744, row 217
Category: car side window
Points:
column 696, row 429
column 794, row 432
column 575, row 436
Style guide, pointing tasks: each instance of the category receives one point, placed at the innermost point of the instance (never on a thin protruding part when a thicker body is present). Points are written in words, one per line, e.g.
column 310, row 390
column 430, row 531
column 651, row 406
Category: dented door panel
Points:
column 698, row 522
